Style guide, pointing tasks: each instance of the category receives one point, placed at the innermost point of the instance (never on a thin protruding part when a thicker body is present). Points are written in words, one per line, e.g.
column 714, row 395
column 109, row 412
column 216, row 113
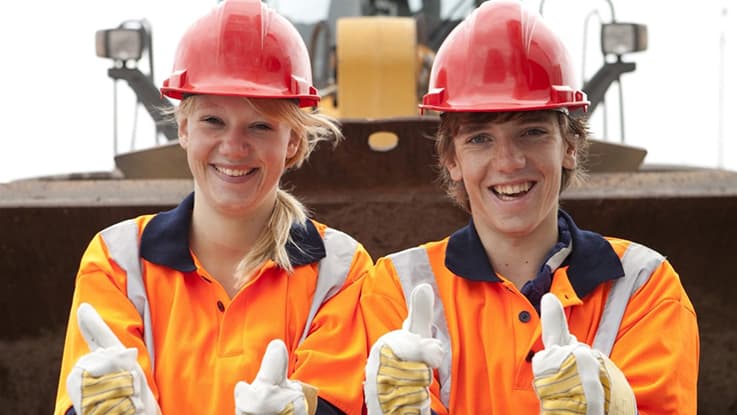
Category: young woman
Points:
column 176, row 309
column 531, row 313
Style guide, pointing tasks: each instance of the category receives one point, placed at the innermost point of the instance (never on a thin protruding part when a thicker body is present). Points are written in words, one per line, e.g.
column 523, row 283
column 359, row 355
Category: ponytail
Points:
column 273, row 241
column 310, row 128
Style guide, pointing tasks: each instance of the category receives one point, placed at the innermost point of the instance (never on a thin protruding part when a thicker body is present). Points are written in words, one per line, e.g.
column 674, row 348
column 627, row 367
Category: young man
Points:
column 531, row 313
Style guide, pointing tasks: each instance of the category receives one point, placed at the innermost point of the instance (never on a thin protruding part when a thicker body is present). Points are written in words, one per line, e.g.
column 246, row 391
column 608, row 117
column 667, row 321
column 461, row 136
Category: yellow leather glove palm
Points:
column 108, row 394
column 108, row 380
column 401, row 385
column 573, row 378
column 399, row 368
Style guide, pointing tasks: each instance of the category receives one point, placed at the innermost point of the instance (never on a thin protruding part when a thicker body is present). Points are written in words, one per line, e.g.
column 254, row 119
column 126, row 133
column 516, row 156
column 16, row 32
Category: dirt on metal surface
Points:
column 388, row 203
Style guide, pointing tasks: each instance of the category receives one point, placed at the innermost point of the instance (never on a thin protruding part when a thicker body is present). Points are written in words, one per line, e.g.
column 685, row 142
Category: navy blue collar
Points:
column 591, row 262
column 165, row 240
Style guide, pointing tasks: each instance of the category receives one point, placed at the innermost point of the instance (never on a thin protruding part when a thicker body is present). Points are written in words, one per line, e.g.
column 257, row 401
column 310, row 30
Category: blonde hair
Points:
column 574, row 130
column 310, row 128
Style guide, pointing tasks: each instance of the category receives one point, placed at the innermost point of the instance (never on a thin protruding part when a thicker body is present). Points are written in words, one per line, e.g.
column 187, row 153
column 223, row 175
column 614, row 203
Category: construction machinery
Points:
column 378, row 185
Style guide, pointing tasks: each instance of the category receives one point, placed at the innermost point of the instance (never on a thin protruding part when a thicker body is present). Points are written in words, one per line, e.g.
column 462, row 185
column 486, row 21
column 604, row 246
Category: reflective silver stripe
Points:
column 413, row 268
column 639, row 262
column 332, row 271
column 122, row 244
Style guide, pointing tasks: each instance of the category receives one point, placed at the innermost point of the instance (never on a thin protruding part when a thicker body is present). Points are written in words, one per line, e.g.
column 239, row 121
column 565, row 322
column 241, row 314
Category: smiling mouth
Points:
column 512, row 191
column 235, row 172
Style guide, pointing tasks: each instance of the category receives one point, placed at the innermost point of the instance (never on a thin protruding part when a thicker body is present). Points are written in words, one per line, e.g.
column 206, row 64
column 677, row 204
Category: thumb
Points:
column 96, row 333
column 553, row 321
column 273, row 370
column 419, row 320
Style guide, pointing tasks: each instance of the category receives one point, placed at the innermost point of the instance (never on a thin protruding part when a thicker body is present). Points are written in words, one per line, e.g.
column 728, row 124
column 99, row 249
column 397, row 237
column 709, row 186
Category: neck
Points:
column 222, row 240
column 518, row 258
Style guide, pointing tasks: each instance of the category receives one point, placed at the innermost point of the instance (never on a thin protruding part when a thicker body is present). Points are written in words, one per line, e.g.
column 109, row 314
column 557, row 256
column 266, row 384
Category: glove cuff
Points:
column 310, row 393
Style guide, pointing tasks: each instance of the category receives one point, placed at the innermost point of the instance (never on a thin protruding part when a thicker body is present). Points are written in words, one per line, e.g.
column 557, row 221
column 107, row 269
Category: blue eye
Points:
column 479, row 139
column 534, row 132
column 212, row 120
column 262, row 126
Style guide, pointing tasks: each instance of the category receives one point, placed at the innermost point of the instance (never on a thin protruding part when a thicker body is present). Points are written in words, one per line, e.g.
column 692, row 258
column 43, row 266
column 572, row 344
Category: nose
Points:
column 508, row 156
column 235, row 144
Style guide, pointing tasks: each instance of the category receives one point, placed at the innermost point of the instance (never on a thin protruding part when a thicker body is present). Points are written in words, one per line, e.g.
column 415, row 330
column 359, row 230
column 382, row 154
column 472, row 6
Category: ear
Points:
column 293, row 144
column 183, row 133
column 569, row 157
column 454, row 169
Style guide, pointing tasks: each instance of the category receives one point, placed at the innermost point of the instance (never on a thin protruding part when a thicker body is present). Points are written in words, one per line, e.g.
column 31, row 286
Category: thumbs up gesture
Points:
column 399, row 367
column 108, row 379
column 571, row 377
column 272, row 393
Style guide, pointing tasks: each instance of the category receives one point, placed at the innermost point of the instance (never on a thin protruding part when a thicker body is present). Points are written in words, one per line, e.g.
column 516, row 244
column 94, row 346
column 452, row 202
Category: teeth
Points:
column 233, row 172
column 512, row 189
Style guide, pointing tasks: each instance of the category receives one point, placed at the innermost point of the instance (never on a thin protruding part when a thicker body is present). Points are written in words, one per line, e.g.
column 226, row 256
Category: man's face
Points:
column 512, row 172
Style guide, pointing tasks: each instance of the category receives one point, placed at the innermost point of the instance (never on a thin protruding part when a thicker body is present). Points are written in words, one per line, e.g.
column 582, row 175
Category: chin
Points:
column 514, row 225
column 232, row 203
column 513, row 228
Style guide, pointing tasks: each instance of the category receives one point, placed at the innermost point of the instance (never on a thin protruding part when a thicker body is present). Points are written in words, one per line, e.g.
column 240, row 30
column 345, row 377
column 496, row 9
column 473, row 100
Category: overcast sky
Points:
column 57, row 101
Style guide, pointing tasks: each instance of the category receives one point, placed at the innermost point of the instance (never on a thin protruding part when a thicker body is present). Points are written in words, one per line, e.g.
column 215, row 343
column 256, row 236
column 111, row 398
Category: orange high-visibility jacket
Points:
column 195, row 344
column 491, row 331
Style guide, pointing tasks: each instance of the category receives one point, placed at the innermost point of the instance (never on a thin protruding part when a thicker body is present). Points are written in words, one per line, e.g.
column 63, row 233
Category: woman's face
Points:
column 236, row 154
column 512, row 172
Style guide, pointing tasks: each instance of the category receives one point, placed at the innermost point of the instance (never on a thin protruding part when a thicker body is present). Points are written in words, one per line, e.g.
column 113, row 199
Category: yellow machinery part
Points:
column 376, row 67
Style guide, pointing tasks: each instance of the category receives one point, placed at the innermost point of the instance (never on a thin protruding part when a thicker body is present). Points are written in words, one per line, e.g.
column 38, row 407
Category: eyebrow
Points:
column 468, row 128
column 472, row 127
column 535, row 118
column 206, row 107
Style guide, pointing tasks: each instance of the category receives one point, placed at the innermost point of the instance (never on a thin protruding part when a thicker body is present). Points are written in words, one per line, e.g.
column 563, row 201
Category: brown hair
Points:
column 310, row 128
column 574, row 130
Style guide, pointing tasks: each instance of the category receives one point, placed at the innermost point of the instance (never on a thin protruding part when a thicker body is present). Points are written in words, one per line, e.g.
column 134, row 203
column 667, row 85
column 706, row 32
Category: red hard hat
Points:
column 242, row 48
column 502, row 57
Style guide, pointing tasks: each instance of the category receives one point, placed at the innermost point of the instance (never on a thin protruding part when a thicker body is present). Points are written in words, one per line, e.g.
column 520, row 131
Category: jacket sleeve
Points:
column 657, row 347
column 101, row 283
column 333, row 354
column 384, row 308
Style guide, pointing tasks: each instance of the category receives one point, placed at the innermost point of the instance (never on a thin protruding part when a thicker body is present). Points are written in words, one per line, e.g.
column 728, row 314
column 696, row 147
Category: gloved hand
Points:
column 573, row 378
column 399, row 367
column 108, row 379
column 271, row 393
